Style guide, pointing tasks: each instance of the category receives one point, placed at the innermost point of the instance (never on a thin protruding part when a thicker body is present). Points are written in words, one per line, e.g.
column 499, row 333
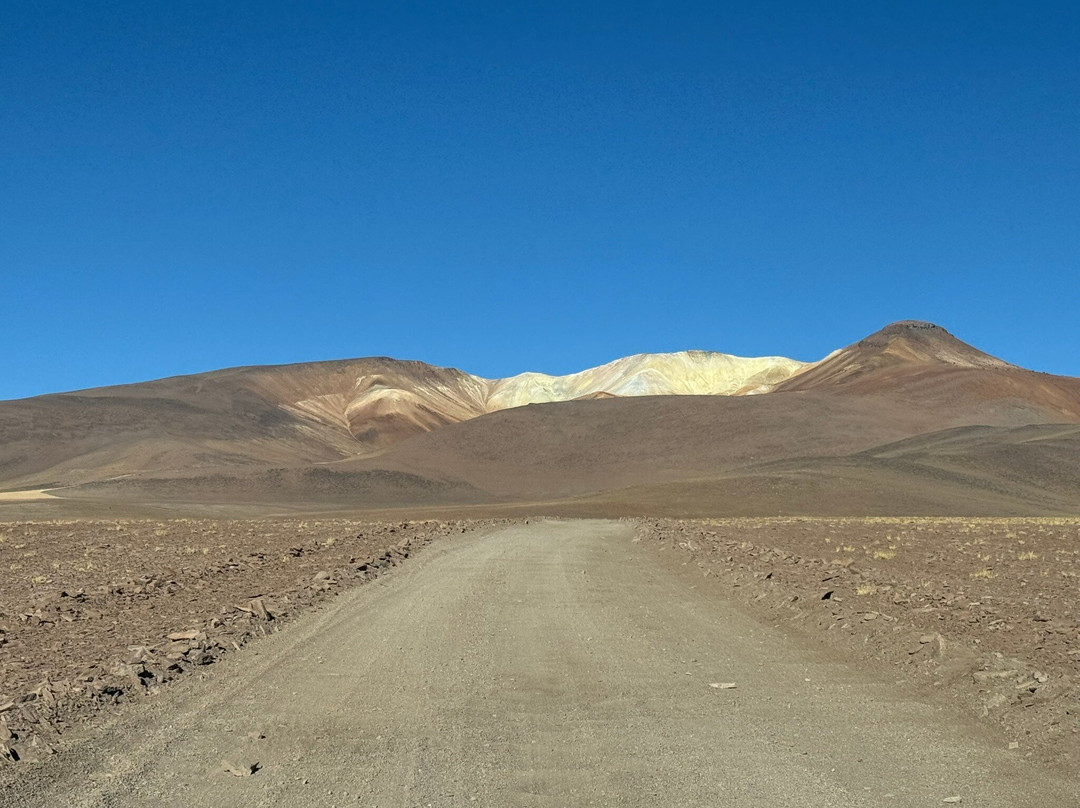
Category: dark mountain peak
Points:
column 898, row 351
column 921, row 342
column 913, row 329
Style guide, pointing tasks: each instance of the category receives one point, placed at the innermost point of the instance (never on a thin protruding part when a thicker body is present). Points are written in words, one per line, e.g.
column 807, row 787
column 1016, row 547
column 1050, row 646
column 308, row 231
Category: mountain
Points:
column 890, row 423
column 381, row 401
column 904, row 348
column 921, row 364
column 689, row 373
column 313, row 412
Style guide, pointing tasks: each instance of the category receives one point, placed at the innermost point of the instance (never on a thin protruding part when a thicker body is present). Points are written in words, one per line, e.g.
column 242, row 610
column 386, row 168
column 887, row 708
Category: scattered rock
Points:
column 1025, row 611
column 185, row 635
column 92, row 638
column 243, row 768
column 981, row 677
column 935, row 640
column 258, row 608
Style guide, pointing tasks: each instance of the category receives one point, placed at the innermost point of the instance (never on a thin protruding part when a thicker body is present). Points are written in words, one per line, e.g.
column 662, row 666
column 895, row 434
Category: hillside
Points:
column 313, row 412
column 909, row 419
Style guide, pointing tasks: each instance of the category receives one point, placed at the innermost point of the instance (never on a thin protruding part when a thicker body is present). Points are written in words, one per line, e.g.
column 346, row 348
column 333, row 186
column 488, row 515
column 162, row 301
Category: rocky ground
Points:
column 93, row 614
column 553, row 663
column 984, row 610
column 97, row 613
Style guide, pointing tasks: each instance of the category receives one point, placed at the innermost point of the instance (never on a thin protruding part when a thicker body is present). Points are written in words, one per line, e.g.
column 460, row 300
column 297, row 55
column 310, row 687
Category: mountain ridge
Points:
column 402, row 431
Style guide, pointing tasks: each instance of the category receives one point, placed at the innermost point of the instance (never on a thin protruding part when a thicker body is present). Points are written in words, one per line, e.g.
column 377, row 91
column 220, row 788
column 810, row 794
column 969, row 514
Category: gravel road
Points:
column 552, row 664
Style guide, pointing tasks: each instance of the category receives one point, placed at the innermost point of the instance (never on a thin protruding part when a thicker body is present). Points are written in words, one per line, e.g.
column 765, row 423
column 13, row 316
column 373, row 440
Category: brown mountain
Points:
column 921, row 362
column 907, row 420
column 901, row 349
column 227, row 420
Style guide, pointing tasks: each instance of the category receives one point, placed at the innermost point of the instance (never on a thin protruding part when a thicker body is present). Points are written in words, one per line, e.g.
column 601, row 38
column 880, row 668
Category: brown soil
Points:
column 97, row 613
column 985, row 610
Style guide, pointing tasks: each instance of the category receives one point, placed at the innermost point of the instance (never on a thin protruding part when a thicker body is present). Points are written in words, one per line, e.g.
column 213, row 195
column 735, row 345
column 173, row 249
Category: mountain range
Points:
column 909, row 420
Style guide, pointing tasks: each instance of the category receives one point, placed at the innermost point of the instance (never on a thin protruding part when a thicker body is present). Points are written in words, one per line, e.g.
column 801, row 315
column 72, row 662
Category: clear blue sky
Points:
column 509, row 186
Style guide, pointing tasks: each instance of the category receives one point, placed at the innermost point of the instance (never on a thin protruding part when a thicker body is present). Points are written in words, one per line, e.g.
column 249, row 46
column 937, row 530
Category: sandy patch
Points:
column 26, row 496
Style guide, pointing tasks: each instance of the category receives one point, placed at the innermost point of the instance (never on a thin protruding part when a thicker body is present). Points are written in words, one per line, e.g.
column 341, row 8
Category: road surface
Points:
column 552, row 664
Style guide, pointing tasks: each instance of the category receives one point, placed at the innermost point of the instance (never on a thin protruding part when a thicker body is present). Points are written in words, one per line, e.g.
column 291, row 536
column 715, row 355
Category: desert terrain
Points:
column 907, row 421
column 677, row 579
column 748, row 662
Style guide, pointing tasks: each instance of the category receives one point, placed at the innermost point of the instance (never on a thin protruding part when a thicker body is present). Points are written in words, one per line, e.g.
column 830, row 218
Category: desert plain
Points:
column 682, row 579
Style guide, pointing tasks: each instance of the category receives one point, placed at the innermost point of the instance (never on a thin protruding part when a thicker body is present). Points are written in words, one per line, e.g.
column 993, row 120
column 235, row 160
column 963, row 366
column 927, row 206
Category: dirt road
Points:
column 551, row 664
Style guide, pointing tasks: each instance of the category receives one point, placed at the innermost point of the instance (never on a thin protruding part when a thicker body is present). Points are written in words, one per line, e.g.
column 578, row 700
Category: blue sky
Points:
column 512, row 186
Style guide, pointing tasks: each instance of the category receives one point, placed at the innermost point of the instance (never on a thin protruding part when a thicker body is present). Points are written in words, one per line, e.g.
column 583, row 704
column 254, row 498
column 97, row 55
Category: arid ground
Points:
column 676, row 579
column 743, row 662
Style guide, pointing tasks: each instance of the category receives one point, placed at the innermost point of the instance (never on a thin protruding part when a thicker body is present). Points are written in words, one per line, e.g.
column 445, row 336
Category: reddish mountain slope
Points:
column 230, row 419
column 924, row 365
